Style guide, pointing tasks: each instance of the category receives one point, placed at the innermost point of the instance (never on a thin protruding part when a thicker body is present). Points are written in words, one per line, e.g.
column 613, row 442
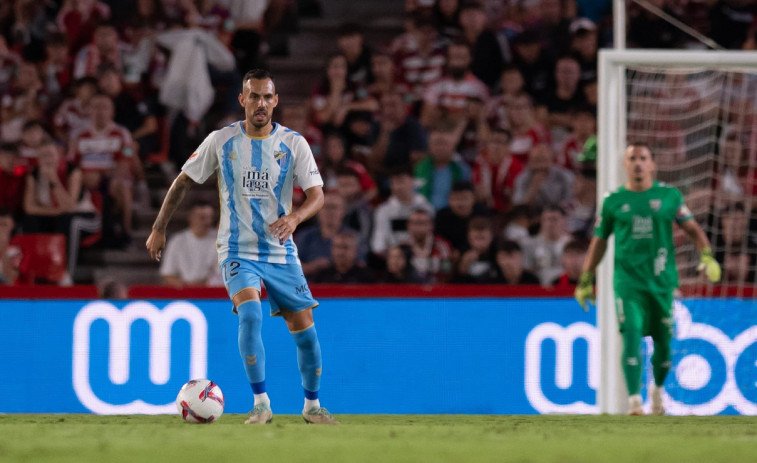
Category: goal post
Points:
column 612, row 137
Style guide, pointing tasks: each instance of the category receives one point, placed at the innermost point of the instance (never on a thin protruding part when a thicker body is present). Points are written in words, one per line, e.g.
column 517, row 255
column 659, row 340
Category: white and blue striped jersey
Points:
column 255, row 181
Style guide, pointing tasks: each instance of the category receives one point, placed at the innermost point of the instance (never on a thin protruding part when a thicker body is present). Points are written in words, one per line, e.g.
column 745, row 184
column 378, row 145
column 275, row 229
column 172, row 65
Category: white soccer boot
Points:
column 655, row 392
column 634, row 405
column 260, row 414
column 318, row 415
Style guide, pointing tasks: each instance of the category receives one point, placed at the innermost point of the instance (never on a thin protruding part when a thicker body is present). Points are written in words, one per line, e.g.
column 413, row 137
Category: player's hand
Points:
column 585, row 290
column 283, row 228
column 709, row 265
column 155, row 244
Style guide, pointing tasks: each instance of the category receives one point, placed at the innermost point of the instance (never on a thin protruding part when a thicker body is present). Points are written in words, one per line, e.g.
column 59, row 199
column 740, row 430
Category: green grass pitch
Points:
column 379, row 438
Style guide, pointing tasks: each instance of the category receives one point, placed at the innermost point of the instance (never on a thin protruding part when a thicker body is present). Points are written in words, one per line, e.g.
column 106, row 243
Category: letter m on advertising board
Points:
column 120, row 323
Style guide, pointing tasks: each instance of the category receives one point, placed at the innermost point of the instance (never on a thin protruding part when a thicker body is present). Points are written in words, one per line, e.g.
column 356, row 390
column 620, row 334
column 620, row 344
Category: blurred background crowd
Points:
column 459, row 147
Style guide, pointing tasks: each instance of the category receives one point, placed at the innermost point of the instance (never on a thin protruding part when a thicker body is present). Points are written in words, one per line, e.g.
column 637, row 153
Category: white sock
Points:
column 312, row 403
column 262, row 399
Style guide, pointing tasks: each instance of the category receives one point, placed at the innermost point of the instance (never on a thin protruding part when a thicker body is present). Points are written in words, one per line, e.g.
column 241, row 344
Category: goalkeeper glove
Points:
column 585, row 290
column 709, row 265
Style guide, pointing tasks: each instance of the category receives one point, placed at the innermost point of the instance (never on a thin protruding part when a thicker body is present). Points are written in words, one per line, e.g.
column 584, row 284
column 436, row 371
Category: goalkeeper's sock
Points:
column 251, row 345
column 309, row 360
column 631, row 360
column 661, row 362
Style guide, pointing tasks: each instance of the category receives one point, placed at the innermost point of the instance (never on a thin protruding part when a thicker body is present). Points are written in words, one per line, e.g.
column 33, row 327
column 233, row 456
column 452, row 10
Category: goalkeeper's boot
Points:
column 318, row 415
column 634, row 405
column 260, row 414
column 655, row 393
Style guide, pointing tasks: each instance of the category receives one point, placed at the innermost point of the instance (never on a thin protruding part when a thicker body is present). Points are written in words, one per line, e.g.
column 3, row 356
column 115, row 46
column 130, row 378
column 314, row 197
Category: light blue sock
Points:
column 309, row 360
column 251, row 343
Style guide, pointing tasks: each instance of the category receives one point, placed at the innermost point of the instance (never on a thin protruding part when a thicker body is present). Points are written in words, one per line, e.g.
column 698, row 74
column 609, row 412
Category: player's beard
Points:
column 257, row 123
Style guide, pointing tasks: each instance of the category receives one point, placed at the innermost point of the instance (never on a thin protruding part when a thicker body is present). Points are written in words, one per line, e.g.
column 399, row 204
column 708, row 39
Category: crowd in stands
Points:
column 462, row 151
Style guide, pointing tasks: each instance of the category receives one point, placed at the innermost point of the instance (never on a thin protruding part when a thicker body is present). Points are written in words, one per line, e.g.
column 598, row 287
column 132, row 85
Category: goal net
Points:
column 696, row 111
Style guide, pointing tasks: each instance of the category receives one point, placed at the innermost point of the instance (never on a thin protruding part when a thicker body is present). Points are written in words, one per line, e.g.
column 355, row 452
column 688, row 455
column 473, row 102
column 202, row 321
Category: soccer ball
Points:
column 200, row 401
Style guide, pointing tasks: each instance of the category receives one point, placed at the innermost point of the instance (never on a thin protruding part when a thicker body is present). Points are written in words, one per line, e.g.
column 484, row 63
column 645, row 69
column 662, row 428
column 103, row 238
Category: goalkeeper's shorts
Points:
column 649, row 312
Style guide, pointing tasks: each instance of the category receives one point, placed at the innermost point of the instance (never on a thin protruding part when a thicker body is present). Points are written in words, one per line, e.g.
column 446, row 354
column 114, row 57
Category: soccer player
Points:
column 641, row 214
column 258, row 162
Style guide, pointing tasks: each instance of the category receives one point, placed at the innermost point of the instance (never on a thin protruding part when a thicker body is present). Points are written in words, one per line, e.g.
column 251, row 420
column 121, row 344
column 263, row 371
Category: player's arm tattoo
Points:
column 175, row 195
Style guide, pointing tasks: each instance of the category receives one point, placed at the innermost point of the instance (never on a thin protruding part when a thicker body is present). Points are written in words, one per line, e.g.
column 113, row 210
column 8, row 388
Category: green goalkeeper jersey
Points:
column 643, row 227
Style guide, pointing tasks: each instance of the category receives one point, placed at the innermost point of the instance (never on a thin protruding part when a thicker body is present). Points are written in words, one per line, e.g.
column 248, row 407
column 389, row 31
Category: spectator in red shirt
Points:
column 79, row 18
column 105, row 50
column 105, row 153
column 49, row 195
column 526, row 131
column 422, row 65
column 495, row 171
column 11, row 180
column 10, row 256
column 335, row 158
column 73, row 114
column 450, row 95
column 56, row 69
column 432, row 256
column 24, row 101
column 583, row 125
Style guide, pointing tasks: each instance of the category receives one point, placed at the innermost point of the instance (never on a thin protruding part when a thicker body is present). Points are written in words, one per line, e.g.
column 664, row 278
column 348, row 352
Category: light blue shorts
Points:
column 285, row 283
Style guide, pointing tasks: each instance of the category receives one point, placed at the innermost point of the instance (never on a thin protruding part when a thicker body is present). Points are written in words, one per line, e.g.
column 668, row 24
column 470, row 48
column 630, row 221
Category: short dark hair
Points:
column 401, row 170
column 200, row 203
column 347, row 172
column 56, row 38
column 480, row 223
column 577, row 246
column 641, row 144
column 509, row 247
column 9, row 147
column 257, row 74
column 462, row 185
column 349, row 28
column 554, row 208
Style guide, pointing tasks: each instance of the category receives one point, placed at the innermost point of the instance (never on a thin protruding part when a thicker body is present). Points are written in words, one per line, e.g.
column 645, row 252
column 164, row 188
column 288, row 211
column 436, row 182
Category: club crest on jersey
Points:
column 280, row 157
column 625, row 208
column 655, row 204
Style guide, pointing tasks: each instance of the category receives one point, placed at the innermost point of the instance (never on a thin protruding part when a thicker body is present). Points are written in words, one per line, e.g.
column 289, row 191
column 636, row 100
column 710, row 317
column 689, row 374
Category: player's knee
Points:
column 250, row 314
column 306, row 339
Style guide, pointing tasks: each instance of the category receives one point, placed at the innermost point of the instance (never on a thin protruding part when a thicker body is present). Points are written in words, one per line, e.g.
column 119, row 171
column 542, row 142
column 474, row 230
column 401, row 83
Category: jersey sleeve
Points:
column 683, row 213
column 306, row 173
column 203, row 162
column 603, row 225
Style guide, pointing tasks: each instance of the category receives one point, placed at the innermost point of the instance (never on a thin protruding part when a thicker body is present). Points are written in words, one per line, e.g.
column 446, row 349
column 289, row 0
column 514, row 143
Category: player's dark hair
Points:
column 641, row 144
column 5, row 212
column 257, row 74
column 33, row 123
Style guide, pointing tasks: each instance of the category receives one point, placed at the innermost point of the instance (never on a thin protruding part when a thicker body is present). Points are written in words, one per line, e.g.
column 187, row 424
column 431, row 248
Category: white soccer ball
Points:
column 200, row 401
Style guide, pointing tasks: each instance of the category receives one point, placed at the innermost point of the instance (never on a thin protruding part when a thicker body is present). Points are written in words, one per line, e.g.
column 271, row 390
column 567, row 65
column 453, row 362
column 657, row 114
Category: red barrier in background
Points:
column 319, row 291
column 375, row 291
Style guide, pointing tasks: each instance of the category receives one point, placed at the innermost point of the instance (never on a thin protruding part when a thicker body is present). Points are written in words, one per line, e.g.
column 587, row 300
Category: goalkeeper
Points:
column 641, row 214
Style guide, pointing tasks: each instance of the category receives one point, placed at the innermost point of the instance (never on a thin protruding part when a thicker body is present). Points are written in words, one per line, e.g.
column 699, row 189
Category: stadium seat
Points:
column 43, row 257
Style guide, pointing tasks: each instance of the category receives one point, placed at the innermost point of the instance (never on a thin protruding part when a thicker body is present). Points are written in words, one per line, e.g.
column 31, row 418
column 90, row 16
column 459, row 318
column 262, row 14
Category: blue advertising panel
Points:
column 488, row 356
